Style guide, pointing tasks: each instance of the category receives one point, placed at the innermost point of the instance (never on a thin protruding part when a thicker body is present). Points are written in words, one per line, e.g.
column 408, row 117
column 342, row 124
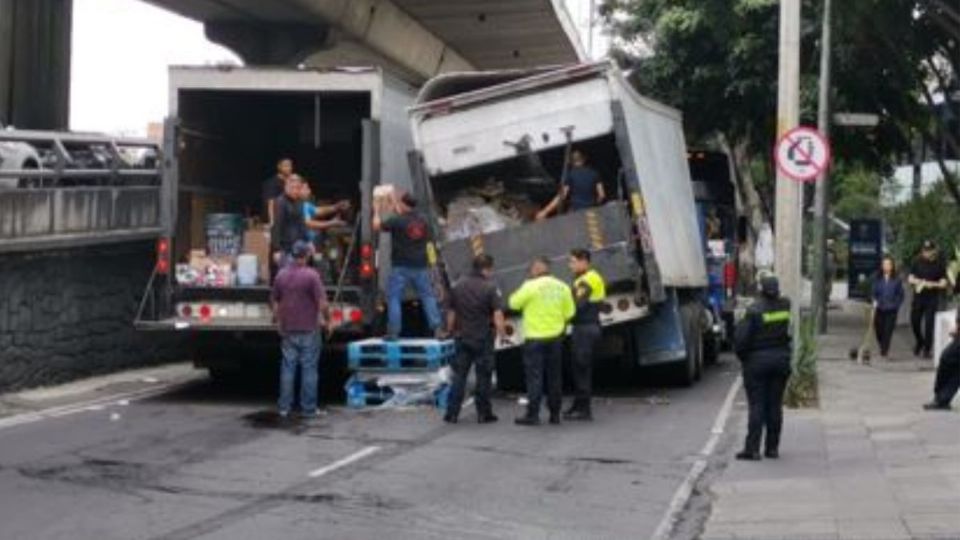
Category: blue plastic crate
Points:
column 398, row 355
column 362, row 394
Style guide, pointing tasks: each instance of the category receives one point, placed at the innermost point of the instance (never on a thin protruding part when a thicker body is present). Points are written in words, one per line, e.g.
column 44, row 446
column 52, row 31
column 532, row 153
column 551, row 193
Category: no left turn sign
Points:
column 802, row 154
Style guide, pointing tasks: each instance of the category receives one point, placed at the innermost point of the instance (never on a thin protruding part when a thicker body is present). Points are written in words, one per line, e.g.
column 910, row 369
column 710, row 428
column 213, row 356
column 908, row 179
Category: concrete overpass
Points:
column 419, row 37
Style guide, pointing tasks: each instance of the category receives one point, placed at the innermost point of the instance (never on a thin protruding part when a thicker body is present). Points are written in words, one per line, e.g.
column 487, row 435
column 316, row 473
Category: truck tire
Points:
column 689, row 370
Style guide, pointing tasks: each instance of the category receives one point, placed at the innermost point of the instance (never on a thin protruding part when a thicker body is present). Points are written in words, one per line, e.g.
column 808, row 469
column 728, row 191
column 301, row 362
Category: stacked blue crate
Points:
column 370, row 358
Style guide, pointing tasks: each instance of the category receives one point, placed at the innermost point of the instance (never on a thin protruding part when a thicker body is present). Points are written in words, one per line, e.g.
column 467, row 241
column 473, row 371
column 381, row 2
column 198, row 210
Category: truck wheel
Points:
column 685, row 373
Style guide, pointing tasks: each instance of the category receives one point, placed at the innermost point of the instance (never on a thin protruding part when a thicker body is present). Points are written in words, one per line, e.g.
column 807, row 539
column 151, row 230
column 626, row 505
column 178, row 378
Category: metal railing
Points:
column 72, row 189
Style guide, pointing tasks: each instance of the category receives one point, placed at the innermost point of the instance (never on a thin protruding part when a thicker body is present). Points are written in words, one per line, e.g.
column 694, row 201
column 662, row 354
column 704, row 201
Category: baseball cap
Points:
column 770, row 285
column 301, row 249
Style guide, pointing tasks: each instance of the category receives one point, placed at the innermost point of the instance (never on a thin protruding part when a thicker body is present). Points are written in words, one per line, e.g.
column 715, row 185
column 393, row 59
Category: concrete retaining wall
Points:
column 69, row 313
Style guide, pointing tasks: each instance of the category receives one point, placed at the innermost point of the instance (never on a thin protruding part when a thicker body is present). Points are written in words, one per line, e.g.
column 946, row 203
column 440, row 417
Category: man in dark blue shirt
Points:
column 582, row 187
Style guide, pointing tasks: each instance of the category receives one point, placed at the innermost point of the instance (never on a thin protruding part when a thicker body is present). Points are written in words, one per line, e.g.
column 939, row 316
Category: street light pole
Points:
column 819, row 301
column 789, row 218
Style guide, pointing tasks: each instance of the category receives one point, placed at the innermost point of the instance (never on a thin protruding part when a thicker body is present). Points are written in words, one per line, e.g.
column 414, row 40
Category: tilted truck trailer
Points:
column 508, row 134
column 346, row 130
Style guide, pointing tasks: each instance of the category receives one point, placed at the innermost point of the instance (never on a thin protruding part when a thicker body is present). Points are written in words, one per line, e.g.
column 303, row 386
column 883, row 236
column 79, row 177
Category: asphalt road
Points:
column 204, row 462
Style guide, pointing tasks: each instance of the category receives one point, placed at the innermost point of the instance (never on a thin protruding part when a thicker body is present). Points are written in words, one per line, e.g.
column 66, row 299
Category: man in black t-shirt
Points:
column 273, row 188
column 410, row 236
column 476, row 310
column 582, row 187
column 289, row 225
column 928, row 277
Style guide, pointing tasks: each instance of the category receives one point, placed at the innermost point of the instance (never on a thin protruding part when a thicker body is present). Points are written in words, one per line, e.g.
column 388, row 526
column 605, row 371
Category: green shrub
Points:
column 802, row 386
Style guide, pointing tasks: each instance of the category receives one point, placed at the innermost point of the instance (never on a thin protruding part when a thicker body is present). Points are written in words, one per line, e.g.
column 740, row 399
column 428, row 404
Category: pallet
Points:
column 399, row 355
column 363, row 394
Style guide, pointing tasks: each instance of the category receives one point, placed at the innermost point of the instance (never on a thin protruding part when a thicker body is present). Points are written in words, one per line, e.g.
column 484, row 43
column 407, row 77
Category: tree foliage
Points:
column 716, row 60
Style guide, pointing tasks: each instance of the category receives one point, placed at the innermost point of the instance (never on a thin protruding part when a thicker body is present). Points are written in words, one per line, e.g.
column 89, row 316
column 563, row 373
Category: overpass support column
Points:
column 268, row 43
column 35, row 63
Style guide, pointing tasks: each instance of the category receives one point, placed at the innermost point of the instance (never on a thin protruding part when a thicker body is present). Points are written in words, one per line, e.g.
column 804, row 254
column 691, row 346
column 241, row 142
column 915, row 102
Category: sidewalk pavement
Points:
column 869, row 463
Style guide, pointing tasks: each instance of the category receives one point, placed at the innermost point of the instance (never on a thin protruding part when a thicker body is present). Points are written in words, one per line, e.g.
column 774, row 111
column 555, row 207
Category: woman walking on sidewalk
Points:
column 887, row 298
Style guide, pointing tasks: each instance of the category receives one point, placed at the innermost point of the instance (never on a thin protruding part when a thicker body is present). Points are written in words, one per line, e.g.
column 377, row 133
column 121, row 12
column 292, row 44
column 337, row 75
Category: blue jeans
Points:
column 400, row 276
column 299, row 349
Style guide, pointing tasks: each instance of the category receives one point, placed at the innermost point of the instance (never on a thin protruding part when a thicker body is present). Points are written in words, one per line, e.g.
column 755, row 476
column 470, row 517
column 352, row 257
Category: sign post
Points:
column 801, row 154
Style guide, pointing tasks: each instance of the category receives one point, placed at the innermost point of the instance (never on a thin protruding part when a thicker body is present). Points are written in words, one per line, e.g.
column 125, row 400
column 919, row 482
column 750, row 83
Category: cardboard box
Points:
column 256, row 241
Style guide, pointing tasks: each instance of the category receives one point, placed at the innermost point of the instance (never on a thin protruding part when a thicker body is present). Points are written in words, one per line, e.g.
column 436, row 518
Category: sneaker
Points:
column 555, row 419
column 316, row 413
column 487, row 419
column 927, row 355
column 772, row 454
column 748, row 456
column 450, row 419
column 283, row 414
column 527, row 421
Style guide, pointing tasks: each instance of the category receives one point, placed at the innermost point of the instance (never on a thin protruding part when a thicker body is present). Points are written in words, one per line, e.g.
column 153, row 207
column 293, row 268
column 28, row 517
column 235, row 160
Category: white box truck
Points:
column 346, row 131
column 509, row 134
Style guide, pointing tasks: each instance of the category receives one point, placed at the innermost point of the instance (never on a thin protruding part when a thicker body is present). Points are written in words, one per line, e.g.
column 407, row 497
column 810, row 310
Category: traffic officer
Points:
column 546, row 305
column 763, row 346
column 476, row 309
column 589, row 291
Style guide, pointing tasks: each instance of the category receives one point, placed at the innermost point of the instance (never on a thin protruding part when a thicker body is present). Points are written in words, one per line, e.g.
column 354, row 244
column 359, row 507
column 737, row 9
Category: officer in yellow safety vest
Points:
column 589, row 291
column 546, row 304
column 762, row 343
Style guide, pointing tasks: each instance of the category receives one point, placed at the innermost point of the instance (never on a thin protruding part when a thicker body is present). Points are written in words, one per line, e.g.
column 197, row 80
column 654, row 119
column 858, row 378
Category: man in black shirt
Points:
column 928, row 277
column 289, row 225
column 948, row 373
column 273, row 188
column 582, row 187
column 410, row 236
column 476, row 308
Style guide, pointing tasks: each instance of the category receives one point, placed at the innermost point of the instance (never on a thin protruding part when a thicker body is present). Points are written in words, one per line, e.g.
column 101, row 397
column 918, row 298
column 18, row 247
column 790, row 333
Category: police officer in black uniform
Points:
column 763, row 346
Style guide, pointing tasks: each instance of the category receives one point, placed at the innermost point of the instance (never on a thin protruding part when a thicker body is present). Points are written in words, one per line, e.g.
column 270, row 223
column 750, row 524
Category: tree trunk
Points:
column 751, row 207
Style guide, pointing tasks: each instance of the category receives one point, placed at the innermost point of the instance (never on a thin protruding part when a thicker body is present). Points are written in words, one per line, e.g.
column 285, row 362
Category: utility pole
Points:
column 789, row 218
column 820, row 302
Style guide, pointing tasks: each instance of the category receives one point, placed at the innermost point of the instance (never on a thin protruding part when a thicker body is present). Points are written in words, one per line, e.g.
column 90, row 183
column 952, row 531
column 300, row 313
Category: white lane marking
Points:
column 86, row 406
column 352, row 458
column 721, row 421
column 685, row 490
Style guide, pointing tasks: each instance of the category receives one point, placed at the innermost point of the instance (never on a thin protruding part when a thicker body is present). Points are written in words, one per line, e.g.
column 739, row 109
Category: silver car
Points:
column 17, row 156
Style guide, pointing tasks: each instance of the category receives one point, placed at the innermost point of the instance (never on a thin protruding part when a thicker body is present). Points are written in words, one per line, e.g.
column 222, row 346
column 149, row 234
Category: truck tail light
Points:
column 366, row 270
column 186, row 311
column 163, row 256
column 366, row 251
column 336, row 315
column 356, row 316
column 205, row 312
column 729, row 275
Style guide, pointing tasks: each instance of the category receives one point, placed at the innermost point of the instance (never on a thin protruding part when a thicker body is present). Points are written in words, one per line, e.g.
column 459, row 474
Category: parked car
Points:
column 15, row 155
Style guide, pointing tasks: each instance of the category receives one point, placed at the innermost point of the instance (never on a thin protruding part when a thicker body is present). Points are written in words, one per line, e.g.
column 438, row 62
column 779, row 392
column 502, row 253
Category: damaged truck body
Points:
column 492, row 148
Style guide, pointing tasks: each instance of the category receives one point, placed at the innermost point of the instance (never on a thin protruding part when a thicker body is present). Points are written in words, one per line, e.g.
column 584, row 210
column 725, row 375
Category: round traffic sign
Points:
column 802, row 154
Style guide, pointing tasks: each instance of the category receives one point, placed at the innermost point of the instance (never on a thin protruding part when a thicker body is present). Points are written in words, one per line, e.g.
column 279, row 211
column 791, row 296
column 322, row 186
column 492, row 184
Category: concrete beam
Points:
column 263, row 43
column 390, row 32
column 35, row 63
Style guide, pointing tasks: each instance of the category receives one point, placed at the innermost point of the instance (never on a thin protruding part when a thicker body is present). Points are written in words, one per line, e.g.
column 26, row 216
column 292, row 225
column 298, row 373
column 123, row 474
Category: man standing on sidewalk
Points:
column 476, row 308
column 763, row 346
column 410, row 235
column 948, row 373
column 546, row 305
column 928, row 277
column 589, row 291
column 299, row 300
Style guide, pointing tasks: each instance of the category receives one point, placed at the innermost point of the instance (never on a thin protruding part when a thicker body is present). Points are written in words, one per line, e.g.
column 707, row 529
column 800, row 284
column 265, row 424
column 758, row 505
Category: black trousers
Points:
column 922, row 316
column 583, row 341
column 948, row 375
column 542, row 359
column 481, row 356
column 884, row 323
column 765, row 379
